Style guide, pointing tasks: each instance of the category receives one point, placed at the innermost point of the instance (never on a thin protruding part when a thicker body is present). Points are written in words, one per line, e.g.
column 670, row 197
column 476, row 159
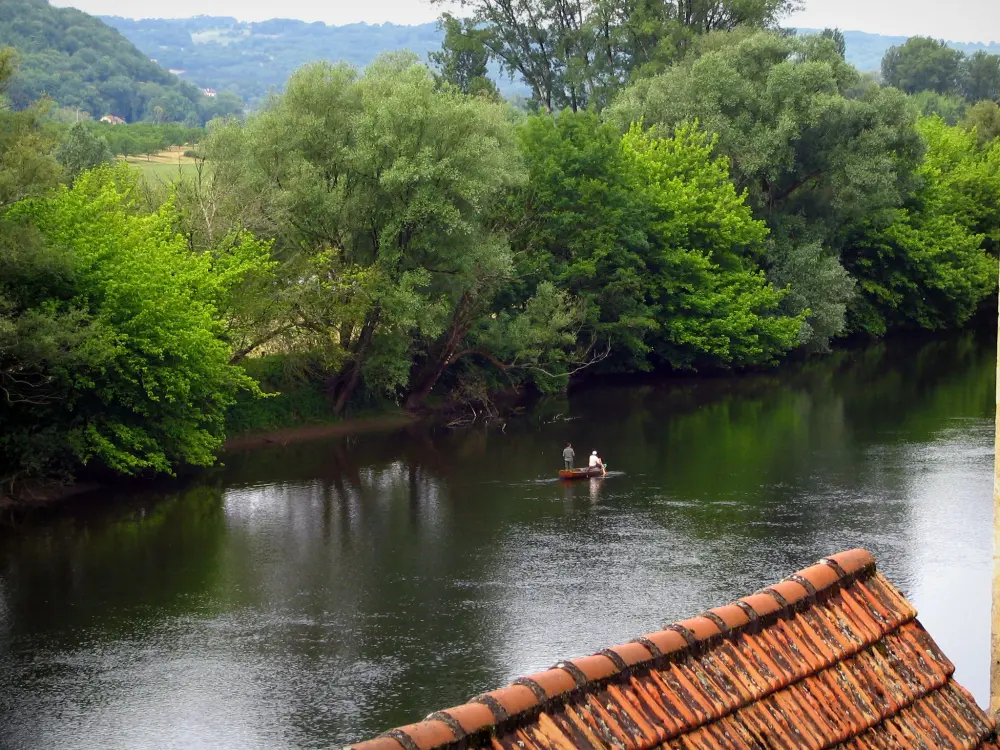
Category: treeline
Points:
column 715, row 194
column 87, row 67
column 85, row 145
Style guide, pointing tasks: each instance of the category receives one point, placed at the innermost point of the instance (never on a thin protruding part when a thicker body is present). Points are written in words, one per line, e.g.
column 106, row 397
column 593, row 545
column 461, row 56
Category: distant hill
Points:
column 254, row 58
column 865, row 51
column 82, row 63
column 251, row 59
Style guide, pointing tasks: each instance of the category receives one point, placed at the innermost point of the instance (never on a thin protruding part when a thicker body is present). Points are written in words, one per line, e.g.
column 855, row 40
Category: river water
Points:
column 316, row 594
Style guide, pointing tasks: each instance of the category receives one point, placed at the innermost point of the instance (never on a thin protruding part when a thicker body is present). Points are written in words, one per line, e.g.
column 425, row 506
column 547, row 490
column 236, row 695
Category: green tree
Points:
column 577, row 55
column 948, row 107
column 712, row 301
column 980, row 77
column 815, row 147
column 984, row 117
column 376, row 188
column 579, row 224
column 463, row 57
column 26, row 166
column 926, row 263
column 922, row 64
column 651, row 235
column 81, row 149
column 147, row 381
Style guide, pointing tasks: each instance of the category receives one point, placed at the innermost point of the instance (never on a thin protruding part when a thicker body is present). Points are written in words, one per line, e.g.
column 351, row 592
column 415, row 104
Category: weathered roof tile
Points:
column 830, row 657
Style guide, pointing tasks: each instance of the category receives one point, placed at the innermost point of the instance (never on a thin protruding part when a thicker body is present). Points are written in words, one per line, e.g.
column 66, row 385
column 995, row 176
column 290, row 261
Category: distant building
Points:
column 113, row 120
column 209, row 92
column 176, row 71
column 153, row 59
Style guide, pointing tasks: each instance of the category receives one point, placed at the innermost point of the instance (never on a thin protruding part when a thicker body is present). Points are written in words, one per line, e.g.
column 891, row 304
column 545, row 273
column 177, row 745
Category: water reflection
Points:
column 310, row 595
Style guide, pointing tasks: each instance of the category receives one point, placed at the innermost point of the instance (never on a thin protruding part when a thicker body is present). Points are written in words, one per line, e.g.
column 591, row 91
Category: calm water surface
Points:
column 317, row 594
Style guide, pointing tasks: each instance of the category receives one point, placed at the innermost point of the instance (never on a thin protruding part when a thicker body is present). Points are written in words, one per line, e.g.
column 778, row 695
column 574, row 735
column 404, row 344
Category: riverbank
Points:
column 286, row 435
column 40, row 493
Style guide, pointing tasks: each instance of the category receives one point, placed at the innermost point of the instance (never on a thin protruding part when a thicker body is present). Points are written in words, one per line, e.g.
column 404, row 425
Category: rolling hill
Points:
column 81, row 63
column 254, row 58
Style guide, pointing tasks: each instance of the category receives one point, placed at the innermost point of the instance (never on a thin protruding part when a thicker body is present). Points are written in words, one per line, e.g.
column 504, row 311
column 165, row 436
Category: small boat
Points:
column 581, row 473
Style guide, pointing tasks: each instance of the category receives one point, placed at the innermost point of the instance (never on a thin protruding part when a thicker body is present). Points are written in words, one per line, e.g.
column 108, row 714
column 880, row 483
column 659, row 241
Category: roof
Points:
column 831, row 656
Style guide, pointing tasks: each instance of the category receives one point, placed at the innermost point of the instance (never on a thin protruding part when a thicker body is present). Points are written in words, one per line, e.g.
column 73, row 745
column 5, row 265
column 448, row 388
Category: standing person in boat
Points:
column 597, row 463
column 568, row 455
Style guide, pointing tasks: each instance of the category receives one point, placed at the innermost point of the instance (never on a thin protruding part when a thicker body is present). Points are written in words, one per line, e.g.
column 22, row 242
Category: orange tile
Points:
column 379, row 743
column 553, row 681
column 472, row 716
column 429, row 734
column 595, row 667
column 853, row 560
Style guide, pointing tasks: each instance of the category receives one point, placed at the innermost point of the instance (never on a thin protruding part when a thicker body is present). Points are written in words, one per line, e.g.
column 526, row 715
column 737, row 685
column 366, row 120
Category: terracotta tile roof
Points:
column 831, row 656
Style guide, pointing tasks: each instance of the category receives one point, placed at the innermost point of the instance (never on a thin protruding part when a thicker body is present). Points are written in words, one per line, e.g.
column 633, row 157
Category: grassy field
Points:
column 166, row 166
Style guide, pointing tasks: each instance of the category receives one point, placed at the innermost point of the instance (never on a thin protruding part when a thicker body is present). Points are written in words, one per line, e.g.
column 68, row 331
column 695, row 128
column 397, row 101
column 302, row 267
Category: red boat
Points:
column 582, row 473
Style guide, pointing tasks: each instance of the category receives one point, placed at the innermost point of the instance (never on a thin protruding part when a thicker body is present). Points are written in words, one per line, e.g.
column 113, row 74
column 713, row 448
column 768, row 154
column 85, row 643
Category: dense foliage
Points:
column 713, row 193
column 82, row 64
column 924, row 64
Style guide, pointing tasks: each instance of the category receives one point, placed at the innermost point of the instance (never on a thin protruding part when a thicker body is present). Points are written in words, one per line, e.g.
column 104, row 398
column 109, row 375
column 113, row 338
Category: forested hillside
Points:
column 81, row 63
column 254, row 58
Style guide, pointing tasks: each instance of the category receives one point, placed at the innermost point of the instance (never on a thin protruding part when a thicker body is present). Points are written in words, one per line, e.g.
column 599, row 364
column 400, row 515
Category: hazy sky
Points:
column 959, row 20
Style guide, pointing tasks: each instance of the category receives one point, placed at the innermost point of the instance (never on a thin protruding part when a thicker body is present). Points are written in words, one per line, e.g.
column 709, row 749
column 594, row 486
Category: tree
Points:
column 379, row 185
column 463, row 57
column 26, row 166
column 651, row 235
column 579, row 224
column 146, row 381
column 984, row 117
column 81, row 149
column 713, row 303
column 815, row 147
column 948, row 107
column 922, row 64
column 926, row 263
column 980, row 77
column 578, row 54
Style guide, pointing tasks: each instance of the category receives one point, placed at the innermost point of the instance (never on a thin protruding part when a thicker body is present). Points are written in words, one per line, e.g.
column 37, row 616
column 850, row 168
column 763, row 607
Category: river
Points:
column 316, row 594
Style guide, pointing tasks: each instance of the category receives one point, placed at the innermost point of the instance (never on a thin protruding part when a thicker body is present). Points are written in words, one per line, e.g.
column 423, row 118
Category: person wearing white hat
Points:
column 596, row 462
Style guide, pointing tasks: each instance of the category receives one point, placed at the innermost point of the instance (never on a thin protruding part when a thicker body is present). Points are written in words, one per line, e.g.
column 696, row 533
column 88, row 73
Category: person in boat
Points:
column 568, row 455
column 596, row 463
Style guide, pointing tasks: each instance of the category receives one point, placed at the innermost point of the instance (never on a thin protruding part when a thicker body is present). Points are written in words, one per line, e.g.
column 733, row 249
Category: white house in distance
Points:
column 209, row 92
column 113, row 120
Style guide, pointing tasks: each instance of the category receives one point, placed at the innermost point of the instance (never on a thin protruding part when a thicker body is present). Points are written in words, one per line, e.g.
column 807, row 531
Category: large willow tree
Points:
column 377, row 188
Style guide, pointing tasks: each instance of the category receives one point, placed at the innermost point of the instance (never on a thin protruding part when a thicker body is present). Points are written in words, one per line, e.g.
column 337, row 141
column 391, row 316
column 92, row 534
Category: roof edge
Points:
column 526, row 695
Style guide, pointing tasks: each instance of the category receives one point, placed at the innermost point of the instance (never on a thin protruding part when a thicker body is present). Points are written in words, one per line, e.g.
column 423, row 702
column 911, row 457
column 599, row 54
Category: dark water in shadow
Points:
column 317, row 594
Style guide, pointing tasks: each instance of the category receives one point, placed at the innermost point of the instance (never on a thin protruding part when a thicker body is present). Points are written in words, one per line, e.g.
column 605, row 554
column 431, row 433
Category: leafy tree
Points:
column 984, row 117
column 922, row 64
column 146, row 381
column 81, row 149
column 576, row 55
column 652, row 236
column 579, row 224
column 980, row 77
column 925, row 264
column 712, row 301
column 26, row 167
column 378, row 186
column 948, row 107
column 463, row 57
column 815, row 147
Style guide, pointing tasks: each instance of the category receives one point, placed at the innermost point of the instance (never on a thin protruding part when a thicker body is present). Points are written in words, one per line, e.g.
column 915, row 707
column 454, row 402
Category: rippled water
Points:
column 313, row 595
